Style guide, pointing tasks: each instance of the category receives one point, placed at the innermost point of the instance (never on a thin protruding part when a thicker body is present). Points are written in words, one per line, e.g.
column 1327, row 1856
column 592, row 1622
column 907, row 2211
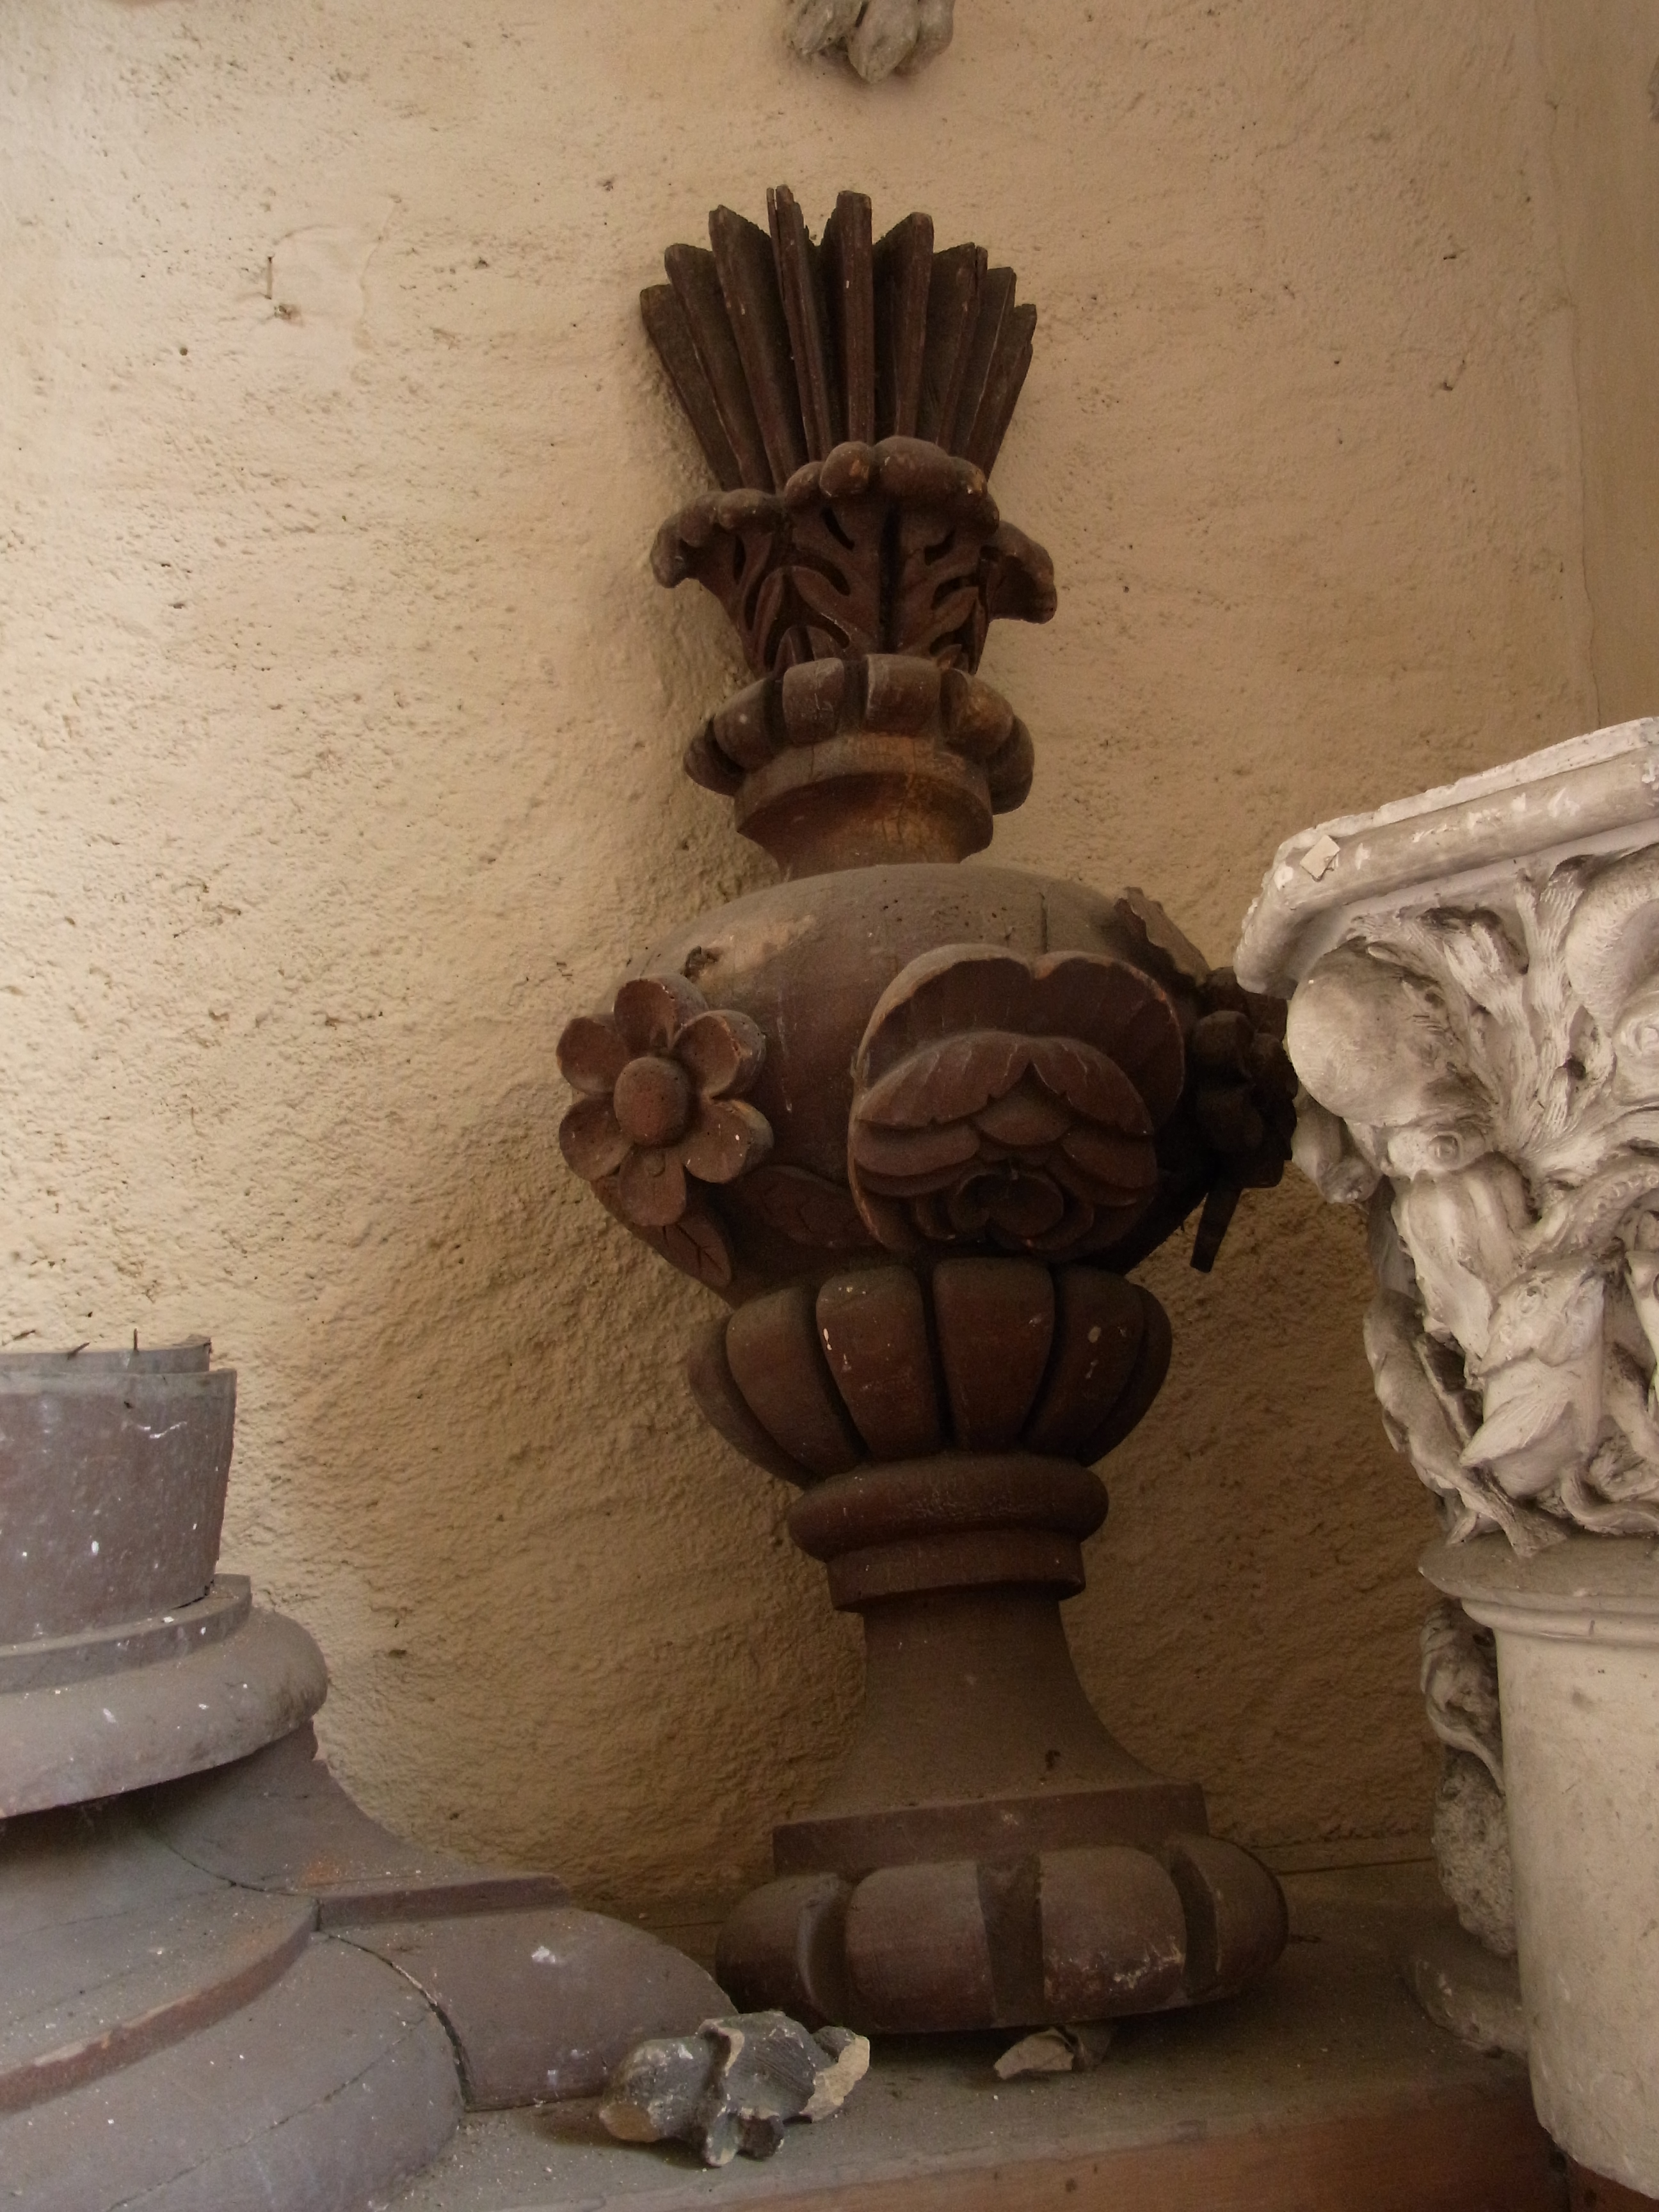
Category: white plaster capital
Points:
column 1475, row 1023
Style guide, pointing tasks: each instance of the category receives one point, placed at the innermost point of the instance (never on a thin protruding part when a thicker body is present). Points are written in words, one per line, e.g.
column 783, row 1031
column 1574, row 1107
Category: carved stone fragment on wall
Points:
column 879, row 37
column 915, row 1123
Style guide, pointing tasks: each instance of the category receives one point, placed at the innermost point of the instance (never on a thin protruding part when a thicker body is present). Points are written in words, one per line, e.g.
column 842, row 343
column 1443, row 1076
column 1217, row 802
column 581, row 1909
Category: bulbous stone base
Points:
column 1048, row 1938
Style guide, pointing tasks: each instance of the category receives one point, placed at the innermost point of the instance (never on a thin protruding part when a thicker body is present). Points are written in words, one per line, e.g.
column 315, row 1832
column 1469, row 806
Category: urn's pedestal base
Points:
column 989, row 1856
column 1043, row 1938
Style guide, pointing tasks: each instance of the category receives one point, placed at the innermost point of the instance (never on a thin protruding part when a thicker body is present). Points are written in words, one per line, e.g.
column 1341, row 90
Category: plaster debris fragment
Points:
column 1319, row 856
column 879, row 37
column 734, row 2085
column 1466, row 1989
column 1056, row 2051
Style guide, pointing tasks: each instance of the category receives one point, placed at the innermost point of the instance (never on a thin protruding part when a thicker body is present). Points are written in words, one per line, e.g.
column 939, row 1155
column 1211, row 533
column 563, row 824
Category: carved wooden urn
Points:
column 914, row 1122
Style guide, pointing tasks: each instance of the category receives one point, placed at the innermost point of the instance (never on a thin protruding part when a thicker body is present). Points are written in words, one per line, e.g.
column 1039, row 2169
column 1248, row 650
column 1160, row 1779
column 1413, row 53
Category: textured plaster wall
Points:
column 1601, row 68
column 341, row 722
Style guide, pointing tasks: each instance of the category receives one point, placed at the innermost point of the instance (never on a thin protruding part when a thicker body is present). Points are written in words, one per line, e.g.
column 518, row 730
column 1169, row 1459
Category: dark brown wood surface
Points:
column 669, row 329
column 696, row 277
column 983, row 440
column 749, row 282
column 800, row 284
column 996, row 298
column 1594, row 2192
column 953, row 288
column 903, row 264
column 850, row 288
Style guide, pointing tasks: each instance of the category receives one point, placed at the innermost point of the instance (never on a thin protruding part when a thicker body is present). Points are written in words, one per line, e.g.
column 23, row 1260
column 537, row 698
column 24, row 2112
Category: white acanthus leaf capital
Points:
column 1496, row 1068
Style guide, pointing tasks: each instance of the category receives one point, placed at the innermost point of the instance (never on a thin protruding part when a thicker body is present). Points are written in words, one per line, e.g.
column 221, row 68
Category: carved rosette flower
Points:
column 662, row 1078
column 1012, row 1104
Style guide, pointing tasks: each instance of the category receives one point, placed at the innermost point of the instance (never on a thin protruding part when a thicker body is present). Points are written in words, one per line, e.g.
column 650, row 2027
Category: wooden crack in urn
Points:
column 914, row 1122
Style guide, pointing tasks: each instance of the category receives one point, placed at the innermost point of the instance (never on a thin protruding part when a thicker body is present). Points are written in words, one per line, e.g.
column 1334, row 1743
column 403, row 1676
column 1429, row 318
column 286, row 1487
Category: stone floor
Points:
column 1325, row 2090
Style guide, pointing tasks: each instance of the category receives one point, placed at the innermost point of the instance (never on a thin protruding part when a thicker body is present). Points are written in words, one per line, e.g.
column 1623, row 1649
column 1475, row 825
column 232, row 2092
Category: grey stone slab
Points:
column 542, row 2003
column 279, row 1820
column 324, row 2092
column 61, row 1868
column 83, row 1998
column 64, row 1744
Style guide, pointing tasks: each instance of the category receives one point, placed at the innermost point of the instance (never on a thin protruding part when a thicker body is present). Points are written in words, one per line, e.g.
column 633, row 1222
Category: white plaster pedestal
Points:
column 1474, row 977
column 1578, row 1630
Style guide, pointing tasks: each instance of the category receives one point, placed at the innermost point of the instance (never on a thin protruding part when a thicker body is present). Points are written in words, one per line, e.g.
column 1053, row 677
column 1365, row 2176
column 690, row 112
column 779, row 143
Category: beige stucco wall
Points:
column 1601, row 69
column 341, row 722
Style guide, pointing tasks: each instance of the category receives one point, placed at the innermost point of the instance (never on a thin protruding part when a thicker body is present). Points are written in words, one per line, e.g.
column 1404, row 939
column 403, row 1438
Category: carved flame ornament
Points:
column 915, row 1123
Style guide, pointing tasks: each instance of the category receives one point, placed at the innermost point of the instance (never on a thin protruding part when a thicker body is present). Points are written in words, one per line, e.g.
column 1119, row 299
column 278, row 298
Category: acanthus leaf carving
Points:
column 1489, row 1074
column 896, row 547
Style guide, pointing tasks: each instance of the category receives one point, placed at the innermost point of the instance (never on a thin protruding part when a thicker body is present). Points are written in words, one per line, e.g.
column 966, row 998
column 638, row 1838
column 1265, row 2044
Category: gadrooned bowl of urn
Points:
column 971, row 1357
column 941, row 1423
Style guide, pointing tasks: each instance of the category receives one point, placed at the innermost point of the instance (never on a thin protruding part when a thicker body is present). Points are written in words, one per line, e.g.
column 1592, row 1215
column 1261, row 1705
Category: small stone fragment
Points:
column 935, row 21
column 876, row 36
column 733, row 2085
column 1089, row 2043
column 1056, row 2051
column 815, row 24
column 656, row 2089
column 1047, row 2052
column 884, row 38
column 849, row 2062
